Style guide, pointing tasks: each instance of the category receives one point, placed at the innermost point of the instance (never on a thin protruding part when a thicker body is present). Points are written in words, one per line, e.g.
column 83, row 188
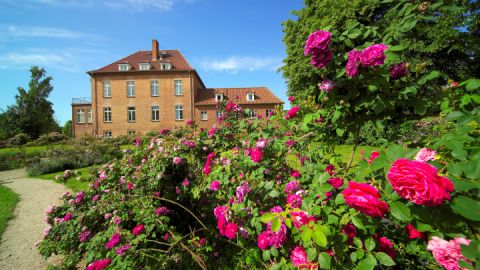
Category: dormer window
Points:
column 123, row 67
column 144, row 66
column 165, row 66
column 218, row 97
column 250, row 96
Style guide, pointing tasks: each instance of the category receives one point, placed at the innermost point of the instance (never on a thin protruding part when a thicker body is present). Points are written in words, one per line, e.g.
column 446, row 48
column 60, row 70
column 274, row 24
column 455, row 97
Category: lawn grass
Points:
column 16, row 157
column 345, row 151
column 8, row 200
column 72, row 183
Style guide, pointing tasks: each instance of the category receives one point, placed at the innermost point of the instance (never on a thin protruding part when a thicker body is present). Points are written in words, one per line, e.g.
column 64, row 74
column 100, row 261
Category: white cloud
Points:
column 37, row 31
column 234, row 64
column 138, row 5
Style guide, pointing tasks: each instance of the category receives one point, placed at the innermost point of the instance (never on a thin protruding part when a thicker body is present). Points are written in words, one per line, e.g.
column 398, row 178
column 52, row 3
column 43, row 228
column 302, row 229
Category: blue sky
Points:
column 231, row 43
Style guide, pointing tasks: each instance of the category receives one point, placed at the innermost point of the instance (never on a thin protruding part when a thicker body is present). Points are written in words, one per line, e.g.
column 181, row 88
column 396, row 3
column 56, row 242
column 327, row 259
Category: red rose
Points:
column 413, row 233
column 419, row 182
column 385, row 245
column 365, row 199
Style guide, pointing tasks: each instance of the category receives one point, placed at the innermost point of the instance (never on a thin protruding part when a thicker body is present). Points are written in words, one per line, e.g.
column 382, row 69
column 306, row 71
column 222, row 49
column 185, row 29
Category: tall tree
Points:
column 438, row 35
column 33, row 113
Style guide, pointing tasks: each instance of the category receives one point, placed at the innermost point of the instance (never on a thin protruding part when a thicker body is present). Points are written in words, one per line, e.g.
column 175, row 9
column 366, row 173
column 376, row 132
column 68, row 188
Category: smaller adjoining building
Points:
column 154, row 90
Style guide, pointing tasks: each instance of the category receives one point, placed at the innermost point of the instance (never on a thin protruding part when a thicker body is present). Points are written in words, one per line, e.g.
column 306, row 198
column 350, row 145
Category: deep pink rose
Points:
column 447, row 253
column 385, row 245
column 321, row 58
column 85, row 235
column 398, row 71
column 294, row 200
column 318, row 40
column 256, row 155
column 373, row 55
column 114, row 240
column 425, row 155
column 299, row 259
column 121, row 250
column 231, row 230
column 161, row 211
column 414, row 233
column 99, row 264
column 215, row 185
column 350, row 231
column 365, row 199
column 300, row 218
column 185, row 182
column 326, row 86
column 352, row 63
column 67, row 217
column 292, row 112
column 263, row 240
column 335, row 182
column 330, row 169
column 138, row 229
column 292, row 186
column 295, row 174
column 177, row 160
column 291, row 98
column 374, row 155
column 189, row 122
column 454, row 84
column 419, row 182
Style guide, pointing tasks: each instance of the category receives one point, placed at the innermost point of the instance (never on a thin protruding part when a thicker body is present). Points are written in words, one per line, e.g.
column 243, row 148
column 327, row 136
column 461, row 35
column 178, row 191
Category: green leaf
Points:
column 397, row 48
column 473, row 84
column 266, row 255
column 274, row 251
column 472, row 169
column 357, row 222
column 288, row 223
column 467, row 207
column 324, row 260
column 354, row 33
column 384, row 259
column 400, row 211
column 470, row 251
column 365, row 264
column 358, row 242
column 419, row 108
column 267, row 217
column 319, row 238
column 307, row 235
column 276, row 224
column 430, row 76
column 369, row 244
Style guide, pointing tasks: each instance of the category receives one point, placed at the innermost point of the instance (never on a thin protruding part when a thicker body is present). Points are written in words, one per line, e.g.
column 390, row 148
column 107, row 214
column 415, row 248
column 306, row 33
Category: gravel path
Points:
column 17, row 249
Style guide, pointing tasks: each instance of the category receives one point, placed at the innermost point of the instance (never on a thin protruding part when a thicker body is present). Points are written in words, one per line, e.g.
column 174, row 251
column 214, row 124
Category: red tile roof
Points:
column 263, row 95
column 169, row 56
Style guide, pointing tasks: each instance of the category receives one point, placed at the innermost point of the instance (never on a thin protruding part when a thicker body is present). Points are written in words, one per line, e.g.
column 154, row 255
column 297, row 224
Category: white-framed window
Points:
column 203, row 116
column 130, row 88
column 250, row 113
column 268, row 113
column 107, row 134
column 107, row 114
column 80, row 116
column 218, row 114
column 131, row 114
column 155, row 113
column 123, row 67
column 89, row 116
column 144, row 66
column 107, row 89
column 178, row 112
column 165, row 66
column 218, row 97
column 131, row 132
column 154, row 88
column 250, row 96
column 178, row 87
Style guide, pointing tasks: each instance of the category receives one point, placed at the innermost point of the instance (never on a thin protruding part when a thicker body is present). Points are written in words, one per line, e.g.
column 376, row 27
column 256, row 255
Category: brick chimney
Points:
column 154, row 49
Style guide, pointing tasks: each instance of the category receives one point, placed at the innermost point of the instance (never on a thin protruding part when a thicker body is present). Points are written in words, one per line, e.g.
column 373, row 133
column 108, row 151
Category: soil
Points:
column 17, row 249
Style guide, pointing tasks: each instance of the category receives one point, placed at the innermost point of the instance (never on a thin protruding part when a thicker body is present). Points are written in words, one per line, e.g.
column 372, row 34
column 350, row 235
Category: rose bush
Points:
column 270, row 193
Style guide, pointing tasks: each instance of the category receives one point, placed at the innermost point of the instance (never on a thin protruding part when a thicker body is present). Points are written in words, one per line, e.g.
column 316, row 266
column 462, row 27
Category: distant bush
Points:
column 18, row 139
column 48, row 138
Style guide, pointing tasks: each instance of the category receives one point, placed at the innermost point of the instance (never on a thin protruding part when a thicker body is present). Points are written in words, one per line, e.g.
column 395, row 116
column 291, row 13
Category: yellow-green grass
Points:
column 72, row 183
column 345, row 151
column 8, row 200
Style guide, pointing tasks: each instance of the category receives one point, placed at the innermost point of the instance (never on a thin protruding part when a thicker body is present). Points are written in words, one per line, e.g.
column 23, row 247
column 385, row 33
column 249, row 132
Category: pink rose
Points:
column 215, row 185
column 374, row 155
column 321, row 58
column 84, row 235
column 121, row 250
column 99, row 264
column 292, row 112
column 114, row 240
column 385, row 245
column 350, row 231
column 318, row 40
column 185, row 182
column 231, row 230
column 447, row 253
column 365, row 199
column 330, row 169
column 300, row 218
column 295, row 174
column 419, row 182
column 398, row 71
column 326, row 86
column 189, row 122
column 291, row 98
column 161, row 211
column 263, row 240
column 256, row 155
column 138, row 229
column 425, row 155
column 454, row 84
column 177, row 160
column 67, row 217
column 335, row 182
column 413, row 233
column 299, row 259
column 294, row 200
column 373, row 55
column 292, row 186
column 352, row 63
column 261, row 143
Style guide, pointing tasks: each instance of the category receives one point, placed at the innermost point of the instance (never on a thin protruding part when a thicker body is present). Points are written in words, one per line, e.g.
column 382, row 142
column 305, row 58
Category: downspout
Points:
column 192, row 107
column 94, row 102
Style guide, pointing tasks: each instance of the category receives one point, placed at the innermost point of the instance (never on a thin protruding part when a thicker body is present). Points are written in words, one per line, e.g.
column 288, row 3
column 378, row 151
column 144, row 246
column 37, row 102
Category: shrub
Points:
column 19, row 139
column 48, row 138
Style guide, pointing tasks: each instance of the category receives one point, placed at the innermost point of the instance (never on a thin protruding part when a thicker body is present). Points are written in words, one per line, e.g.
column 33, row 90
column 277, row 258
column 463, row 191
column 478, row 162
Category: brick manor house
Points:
column 154, row 90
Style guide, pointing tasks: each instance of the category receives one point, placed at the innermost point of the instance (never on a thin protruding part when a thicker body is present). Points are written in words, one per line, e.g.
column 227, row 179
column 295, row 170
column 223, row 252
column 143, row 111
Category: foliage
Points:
column 157, row 207
column 18, row 139
column 8, row 200
column 33, row 113
column 67, row 129
column 48, row 138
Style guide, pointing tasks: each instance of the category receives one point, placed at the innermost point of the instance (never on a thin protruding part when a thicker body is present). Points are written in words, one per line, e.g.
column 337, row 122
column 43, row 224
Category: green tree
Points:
column 438, row 35
column 33, row 113
column 67, row 129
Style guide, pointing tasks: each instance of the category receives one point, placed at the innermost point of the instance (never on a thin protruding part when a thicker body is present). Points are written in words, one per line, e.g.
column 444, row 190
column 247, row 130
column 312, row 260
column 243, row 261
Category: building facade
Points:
column 154, row 90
